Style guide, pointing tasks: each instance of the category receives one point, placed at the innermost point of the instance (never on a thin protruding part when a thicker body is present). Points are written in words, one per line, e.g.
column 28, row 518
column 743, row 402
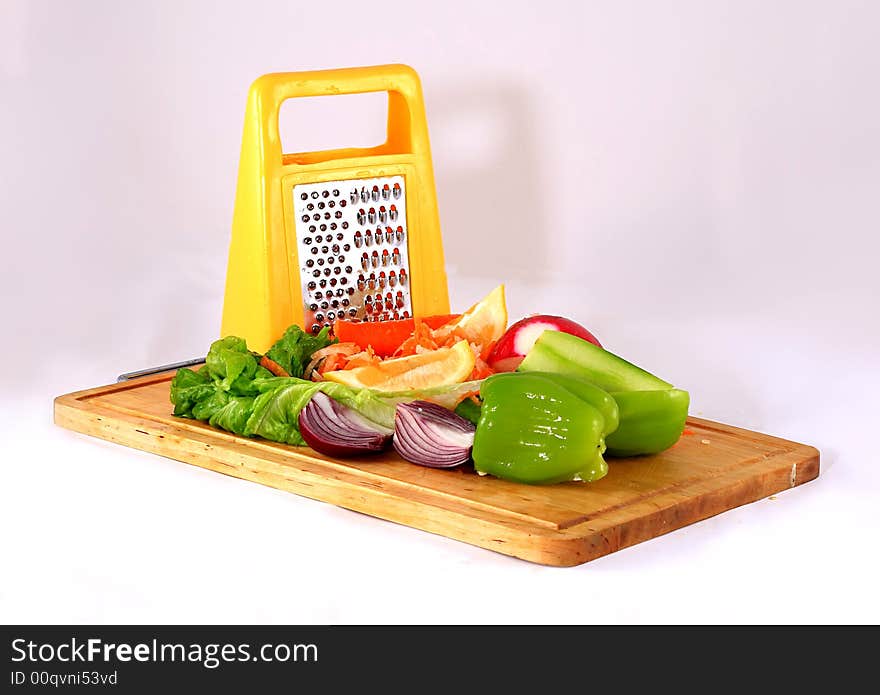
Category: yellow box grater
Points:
column 348, row 233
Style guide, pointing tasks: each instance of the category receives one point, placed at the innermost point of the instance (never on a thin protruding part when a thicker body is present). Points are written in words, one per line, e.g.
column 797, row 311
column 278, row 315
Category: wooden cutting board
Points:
column 711, row 470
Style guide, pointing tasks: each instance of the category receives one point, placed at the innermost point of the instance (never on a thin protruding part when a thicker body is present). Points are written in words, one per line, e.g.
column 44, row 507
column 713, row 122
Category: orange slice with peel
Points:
column 441, row 367
column 484, row 323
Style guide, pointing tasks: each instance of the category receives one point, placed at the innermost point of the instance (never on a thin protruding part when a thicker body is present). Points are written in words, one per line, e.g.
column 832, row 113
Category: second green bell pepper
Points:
column 650, row 421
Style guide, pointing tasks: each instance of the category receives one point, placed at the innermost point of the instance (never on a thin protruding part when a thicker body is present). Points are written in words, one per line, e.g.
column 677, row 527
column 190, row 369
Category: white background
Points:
column 696, row 182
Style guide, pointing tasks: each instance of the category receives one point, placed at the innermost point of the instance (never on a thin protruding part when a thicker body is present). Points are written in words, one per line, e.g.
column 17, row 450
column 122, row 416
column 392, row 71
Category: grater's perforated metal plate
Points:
column 352, row 246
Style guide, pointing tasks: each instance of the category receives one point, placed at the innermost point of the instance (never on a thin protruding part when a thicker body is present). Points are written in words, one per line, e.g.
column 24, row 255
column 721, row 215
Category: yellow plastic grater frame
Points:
column 263, row 293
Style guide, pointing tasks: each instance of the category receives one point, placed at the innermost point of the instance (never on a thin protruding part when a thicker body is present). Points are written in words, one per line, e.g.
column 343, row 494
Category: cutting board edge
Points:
column 569, row 547
column 795, row 468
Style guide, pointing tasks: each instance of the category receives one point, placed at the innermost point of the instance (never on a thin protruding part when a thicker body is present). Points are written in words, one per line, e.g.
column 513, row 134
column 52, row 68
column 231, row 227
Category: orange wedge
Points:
column 441, row 367
column 485, row 322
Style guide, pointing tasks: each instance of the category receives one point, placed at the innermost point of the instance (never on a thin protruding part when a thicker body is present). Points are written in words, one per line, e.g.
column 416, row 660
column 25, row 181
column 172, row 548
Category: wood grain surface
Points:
column 716, row 468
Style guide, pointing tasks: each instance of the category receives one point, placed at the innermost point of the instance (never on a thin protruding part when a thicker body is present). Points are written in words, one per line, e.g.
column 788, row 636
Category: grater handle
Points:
column 407, row 132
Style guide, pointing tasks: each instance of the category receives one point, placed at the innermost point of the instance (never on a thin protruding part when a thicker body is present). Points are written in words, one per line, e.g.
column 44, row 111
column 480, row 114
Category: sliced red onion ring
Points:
column 430, row 435
column 336, row 430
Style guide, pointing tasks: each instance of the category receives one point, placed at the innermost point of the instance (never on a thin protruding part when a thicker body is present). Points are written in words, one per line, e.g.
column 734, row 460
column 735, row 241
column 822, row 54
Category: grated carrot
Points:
column 363, row 359
column 273, row 366
column 487, row 349
column 422, row 337
column 330, row 363
column 337, row 349
column 481, row 370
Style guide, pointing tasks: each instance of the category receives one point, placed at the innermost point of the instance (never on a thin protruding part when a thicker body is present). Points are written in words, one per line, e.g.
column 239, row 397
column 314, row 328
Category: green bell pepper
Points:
column 561, row 353
column 650, row 421
column 533, row 429
column 600, row 399
column 592, row 394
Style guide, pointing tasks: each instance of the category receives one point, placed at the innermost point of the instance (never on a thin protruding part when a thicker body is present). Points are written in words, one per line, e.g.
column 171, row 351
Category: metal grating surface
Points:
column 352, row 246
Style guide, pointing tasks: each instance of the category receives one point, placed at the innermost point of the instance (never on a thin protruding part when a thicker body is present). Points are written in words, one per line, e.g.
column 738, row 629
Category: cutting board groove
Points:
column 712, row 470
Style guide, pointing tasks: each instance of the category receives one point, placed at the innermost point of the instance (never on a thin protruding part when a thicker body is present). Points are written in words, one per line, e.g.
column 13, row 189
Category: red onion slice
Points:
column 336, row 430
column 428, row 434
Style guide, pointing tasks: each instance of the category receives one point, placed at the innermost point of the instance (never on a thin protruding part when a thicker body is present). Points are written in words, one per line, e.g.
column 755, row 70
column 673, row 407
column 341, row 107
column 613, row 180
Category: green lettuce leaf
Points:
column 206, row 407
column 276, row 411
column 233, row 416
column 294, row 350
column 231, row 363
column 371, row 404
column 188, row 388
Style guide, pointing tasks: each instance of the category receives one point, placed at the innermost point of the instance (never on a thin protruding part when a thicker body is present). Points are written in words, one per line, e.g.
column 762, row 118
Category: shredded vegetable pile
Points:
column 350, row 355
